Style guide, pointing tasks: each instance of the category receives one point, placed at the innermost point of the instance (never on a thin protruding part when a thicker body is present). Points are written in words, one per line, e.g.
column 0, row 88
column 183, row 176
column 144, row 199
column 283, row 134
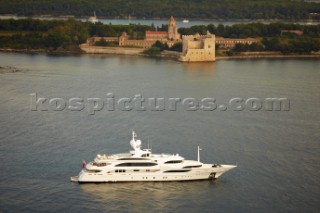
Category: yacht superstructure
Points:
column 142, row 165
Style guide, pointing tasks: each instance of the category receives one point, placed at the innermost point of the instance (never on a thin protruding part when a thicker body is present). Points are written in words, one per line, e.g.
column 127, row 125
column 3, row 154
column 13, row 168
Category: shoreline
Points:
column 170, row 55
column 265, row 56
column 38, row 51
column 50, row 17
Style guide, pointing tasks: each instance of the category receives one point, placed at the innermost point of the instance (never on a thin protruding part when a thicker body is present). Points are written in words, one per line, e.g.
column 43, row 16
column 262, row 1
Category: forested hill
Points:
column 204, row 9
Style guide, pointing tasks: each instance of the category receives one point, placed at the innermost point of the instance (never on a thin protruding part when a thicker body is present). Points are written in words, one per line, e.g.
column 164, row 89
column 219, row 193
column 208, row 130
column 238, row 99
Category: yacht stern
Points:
column 74, row 178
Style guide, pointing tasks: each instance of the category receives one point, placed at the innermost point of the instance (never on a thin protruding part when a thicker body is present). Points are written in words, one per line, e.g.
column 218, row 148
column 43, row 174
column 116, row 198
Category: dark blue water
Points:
column 277, row 152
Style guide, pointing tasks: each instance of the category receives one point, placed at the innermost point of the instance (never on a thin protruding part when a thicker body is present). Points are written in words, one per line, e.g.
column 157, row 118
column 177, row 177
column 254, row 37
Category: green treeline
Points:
column 49, row 35
column 271, row 36
column 251, row 30
column 59, row 35
column 206, row 9
column 291, row 44
column 107, row 30
column 66, row 35
column 285, row 44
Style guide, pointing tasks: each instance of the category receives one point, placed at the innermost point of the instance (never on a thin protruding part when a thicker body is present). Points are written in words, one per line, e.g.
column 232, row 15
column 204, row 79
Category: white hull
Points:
column 195, row 174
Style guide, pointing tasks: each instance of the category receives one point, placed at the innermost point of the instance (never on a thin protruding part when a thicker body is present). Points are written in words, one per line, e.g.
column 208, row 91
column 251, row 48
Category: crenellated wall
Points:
column 196, row 48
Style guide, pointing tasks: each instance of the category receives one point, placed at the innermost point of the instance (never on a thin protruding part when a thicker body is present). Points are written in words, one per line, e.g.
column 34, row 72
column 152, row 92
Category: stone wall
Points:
column 198, row 48
column 228, row 43
column 195, row 55
column 110, row 50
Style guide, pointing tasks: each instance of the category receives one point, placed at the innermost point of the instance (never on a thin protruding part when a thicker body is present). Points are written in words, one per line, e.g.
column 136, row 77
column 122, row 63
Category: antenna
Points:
column 133, row 135
column 199, row 153
column 148, row 142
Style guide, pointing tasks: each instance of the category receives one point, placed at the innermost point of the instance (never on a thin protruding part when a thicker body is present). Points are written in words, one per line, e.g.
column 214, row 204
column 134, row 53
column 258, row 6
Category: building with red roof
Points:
column 169, row 37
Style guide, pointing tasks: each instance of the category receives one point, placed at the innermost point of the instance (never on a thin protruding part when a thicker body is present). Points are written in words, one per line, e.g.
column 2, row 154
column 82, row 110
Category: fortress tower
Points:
column 198, row 48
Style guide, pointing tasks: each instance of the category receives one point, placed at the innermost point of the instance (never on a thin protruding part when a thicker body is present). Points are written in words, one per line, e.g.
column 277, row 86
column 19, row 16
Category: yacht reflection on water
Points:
column 138, row 196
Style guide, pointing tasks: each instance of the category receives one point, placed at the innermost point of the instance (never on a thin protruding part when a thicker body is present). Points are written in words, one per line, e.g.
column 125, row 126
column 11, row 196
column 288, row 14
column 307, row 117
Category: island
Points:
column 189, row 44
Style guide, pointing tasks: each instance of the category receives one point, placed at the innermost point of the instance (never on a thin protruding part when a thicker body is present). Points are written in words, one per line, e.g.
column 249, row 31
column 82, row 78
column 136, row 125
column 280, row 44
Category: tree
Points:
column 176, row 47
column 240, row 48
column 152, row 51
column 101, row 42
column 160, row 45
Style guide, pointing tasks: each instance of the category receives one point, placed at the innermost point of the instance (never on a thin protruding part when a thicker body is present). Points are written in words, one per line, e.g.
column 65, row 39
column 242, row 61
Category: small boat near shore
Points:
column 93, row 19
column 185, row 21
column 142, row 165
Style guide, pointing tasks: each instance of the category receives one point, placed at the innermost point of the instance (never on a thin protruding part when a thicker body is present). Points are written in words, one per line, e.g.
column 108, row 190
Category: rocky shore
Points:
column 9, row 69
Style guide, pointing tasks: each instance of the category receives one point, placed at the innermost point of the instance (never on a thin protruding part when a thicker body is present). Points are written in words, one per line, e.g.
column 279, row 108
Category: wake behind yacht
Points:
column 142, row 165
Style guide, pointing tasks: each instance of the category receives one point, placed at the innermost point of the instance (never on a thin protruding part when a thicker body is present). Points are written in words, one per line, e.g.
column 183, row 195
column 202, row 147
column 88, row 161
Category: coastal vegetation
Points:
column 59, row 35
column 67, row 35
column 156, row 48
column 152, row 51
column 273, row 36
column 203, row 9
column 37, row 34
column 251, row 30
column 108, row 30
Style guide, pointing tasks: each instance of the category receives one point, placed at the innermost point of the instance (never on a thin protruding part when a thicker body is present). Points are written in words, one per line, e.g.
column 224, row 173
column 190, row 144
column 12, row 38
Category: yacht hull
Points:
column 160, row 176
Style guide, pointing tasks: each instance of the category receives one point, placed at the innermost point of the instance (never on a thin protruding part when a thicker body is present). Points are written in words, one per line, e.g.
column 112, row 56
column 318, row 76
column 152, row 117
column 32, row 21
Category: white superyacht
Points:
column 142, row 165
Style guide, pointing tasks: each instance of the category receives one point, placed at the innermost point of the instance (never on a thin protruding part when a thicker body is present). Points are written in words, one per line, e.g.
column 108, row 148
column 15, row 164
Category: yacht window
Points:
column 93, row 171
column 99, row 164
column 135, row 164
column 195, row 166
column 173, row 161
column 136, row 170
column 133, row 159
column 177, row 171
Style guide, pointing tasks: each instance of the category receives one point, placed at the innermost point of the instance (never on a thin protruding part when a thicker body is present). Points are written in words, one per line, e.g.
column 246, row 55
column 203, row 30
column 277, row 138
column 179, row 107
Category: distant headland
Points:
column 160, row 9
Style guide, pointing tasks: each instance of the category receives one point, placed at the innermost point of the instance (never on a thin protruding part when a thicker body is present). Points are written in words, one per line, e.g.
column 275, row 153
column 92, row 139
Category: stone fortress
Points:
column 195, row 48
column 198, row 48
